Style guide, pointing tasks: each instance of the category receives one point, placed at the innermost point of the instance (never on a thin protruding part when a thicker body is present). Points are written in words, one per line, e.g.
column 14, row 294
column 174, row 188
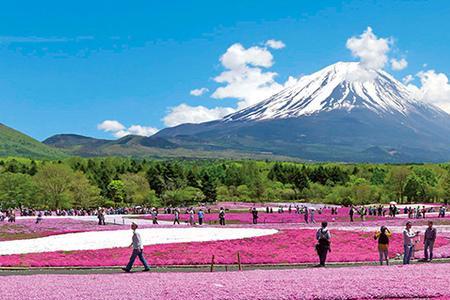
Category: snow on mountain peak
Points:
column 343, row 86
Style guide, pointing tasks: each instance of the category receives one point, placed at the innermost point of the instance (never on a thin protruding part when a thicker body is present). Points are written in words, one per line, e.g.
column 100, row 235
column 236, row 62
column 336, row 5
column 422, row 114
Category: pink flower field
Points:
column 27, row 228
column 419, row 281
column 263, row 217
column 287, row 246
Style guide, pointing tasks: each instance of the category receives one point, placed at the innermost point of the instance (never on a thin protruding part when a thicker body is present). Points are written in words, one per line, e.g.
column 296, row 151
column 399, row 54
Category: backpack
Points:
column 323, row 240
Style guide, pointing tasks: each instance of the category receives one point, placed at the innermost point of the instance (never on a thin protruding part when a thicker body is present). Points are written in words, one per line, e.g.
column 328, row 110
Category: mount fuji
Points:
column 343, row 112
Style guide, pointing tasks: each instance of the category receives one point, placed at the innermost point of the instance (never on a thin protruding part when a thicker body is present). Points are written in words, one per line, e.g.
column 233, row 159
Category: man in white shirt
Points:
column 138, row 250
column 408, row 242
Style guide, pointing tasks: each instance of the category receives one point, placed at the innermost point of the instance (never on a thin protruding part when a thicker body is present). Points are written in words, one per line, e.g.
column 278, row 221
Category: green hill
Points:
column 145, row 147
column 15, row 143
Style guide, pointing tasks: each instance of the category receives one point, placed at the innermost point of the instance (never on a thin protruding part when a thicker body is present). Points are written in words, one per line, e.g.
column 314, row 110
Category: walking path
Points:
column 426, row 281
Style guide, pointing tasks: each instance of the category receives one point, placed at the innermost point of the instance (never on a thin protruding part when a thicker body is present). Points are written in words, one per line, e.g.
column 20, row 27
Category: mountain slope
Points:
column 87, row 146
column 143, row 147
column 331, row 116
column 15, row 143
column 334, row 88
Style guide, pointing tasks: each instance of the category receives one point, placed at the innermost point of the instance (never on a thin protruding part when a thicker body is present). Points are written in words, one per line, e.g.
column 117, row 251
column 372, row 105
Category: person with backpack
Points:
column 255, row 215
column 351, row 213
column 176, row 213
column 383, row 243
column 39, row 218
column 323, row 237
column 222, row 216
column 154, row 216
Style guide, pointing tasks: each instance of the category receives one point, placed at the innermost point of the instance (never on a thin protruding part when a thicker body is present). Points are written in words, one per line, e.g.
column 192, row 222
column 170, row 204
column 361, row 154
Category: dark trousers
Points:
column 176, row 221
column 322, row 251
column 137, row 253
column 351, row 218
column 200, row 221
column 428, row 246
column 222, row 221
column 255, row 220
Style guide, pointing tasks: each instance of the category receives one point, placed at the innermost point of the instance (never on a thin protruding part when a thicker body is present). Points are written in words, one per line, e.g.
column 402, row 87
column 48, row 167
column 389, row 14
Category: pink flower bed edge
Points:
column 288, row 246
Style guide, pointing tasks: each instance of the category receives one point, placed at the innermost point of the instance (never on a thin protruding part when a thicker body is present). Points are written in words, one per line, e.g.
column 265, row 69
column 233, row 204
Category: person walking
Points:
column 39, row 218
column 383, row 244
column 222, row 216
column 306, row 215
column 191, row 216
column 408, row 243
column 428, row 241
column 255, row 215
column 351, row 213
column 311, row 216
column 103, row 217
column 323, row 237
column 424, row 211
column 176, row 219
column 442, row 212
column 138, row 250
column 99, row 216
column 200, row 216
column 155, row 216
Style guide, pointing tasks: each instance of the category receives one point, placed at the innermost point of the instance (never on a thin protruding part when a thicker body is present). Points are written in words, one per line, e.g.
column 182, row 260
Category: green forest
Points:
column 117, row 182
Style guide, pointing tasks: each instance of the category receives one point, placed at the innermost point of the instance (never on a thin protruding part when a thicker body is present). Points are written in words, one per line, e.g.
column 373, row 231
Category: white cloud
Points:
column 142, row 130
column 184, row 113
column 199, row 92
column 237, row 57
column 398, row 65
column 371, row 51
column 275, row 44
column 245, row 78
column 118, row 130
column 435, row 89
column 110, row 126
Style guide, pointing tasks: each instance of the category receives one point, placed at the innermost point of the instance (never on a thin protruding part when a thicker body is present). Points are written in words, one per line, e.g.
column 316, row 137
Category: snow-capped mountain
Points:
column 335, row 87
column 340, row 113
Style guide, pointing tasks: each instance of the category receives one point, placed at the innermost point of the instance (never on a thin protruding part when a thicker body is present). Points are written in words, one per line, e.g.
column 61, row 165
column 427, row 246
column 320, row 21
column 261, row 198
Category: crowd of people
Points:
column 323, row 234
column 410, row 240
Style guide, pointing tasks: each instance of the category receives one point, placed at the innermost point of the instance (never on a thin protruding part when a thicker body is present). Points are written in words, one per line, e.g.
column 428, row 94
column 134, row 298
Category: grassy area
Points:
column 15, row 143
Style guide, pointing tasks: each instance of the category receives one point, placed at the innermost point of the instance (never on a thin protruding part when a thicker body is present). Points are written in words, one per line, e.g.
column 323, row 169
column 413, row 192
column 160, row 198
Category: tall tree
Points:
column 209, row 187
column 54, row 182
column 116, row 191
column 446, row 187
column 83, row 193
column 16, row 191
column 397, row 180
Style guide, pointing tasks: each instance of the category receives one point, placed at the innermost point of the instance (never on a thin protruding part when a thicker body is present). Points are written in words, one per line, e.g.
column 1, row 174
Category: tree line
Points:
column 117, row 182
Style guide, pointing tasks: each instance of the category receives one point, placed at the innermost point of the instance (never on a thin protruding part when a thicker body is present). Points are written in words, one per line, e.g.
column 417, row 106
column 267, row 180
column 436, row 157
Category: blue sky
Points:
column 65, row 68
